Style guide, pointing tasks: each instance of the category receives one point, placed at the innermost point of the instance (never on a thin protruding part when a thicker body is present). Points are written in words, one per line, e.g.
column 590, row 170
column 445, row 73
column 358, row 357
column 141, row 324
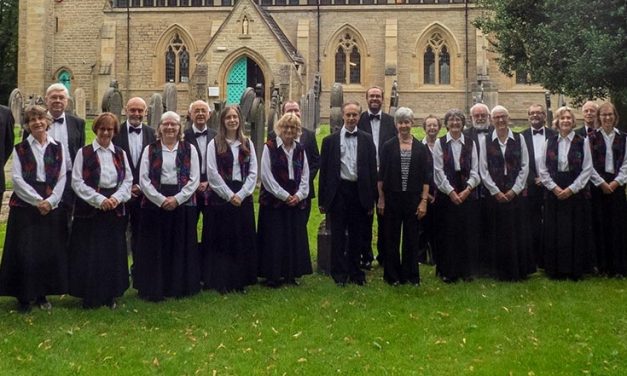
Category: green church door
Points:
column 236, row 81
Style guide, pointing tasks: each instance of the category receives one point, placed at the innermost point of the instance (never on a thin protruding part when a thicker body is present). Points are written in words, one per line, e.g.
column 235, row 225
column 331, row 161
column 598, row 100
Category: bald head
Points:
column 590, row 110
column 135, row 111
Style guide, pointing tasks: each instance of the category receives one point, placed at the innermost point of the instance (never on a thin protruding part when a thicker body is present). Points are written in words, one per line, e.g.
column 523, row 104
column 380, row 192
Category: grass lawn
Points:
column 536, row 327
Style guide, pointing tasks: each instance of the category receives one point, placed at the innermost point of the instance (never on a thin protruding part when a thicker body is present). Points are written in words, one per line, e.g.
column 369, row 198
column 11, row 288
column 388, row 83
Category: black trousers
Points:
column 535, row 213
column 347, row 215
column 400, row 214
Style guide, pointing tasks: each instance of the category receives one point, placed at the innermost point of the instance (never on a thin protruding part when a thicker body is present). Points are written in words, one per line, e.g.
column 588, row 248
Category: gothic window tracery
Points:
column 348, row 60
column 177, row 60
column 437, row 61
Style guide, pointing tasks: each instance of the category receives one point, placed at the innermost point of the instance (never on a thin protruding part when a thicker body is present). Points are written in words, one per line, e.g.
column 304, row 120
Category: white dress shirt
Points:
column 563, row 147
column 375, row 125
column 621, row 176
column 202, row 145
column 425, row 142
column 217, row 183
column 538, row 146
column 108, row 177
column 24, row 190
column 439, row 176
column 58, row 131
column 521, row 179
column 135, row 142
column 348, row 156
column 267, row 178
column 169, row 175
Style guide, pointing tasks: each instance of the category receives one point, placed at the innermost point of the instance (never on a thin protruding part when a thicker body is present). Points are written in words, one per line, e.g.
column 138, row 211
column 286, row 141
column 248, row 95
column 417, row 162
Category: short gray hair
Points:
column 170, row 115
column 402, row 114
column 499, row 108
column 200, row 101
column 57, row 87
column 477, row 106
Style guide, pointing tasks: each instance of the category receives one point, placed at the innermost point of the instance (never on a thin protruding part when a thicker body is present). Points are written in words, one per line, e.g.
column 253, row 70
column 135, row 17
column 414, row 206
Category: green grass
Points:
column 535, row 327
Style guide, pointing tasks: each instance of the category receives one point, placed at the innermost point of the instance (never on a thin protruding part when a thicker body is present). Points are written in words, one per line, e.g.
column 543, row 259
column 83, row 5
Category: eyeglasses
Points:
column 170, row 124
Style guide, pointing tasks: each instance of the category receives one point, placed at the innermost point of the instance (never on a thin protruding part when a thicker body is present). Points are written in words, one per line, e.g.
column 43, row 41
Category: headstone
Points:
column 155, row 110
column 71, row 106
column 214, row 120
column 169, row 96
column 79, row 99
column 310, row 110
column 275, row 109
column 258, row 127
column 245, row 106
column 317, row 91
column 16, row 103
column 112, row 100
column 337, row 99
column 199, row 82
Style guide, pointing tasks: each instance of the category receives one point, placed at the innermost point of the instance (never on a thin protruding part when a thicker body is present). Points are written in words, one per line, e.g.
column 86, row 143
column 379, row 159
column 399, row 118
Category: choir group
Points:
column 481, row 200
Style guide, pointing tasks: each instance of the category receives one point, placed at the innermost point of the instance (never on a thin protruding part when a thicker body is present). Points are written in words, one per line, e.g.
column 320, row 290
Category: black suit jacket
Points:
column 191, row 138
column 390, row 167
column 75, row 134
column 329, row 181
column 533, row 173
column 308, row 142
column 387, row 128
column 121, row 140
column 6, row 141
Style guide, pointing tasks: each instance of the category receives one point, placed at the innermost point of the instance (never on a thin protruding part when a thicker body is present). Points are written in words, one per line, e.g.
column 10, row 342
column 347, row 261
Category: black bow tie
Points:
column 58, row 120
column 479, row 131
column 198, row 134
column 137, row 130
column 590, row 130
column 373, row 116
column 538, row 131
column 349, row 134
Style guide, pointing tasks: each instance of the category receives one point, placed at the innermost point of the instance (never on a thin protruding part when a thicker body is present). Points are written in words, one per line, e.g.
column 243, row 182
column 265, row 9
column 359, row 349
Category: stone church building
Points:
column 214, row 49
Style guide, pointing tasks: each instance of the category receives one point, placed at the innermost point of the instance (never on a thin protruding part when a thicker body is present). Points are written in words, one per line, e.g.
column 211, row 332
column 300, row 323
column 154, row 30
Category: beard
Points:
column 480, row 125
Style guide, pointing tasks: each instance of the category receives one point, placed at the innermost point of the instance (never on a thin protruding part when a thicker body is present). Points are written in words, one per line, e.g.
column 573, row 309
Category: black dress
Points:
column 230, row 262
column 98, row 254
column 167, row 263
column 282, row 234
column 34, row 259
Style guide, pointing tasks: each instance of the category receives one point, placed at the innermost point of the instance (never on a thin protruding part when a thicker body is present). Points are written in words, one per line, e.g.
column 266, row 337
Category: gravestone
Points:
column 112, row 100
column 71, row 106
column 169, row 97
column 275, row 109
column 155, row 110
column 317, row 88
column 337, row 100
column 79, row 99
column 214, row 120
column 199, row 82
column 245, row 106
column 16, row 103
column 257, row 119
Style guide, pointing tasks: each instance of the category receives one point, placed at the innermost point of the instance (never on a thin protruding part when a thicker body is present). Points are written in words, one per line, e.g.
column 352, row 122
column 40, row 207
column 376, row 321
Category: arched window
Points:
column 437, row 61
column 348, row 61
column 176, row 61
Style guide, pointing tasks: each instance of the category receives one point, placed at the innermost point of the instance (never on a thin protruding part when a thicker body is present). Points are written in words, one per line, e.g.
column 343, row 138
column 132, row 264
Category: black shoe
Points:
column 43, row 303
column 23, row 306
column 272, row 283
column 292, row 281
column 366, row 265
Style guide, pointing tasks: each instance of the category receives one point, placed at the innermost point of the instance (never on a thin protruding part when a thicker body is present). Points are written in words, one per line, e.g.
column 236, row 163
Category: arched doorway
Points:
column 244, row 72
column 65, row 78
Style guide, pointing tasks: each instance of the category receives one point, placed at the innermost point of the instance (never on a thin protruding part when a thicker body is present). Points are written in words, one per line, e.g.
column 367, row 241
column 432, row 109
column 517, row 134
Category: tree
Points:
column 576, row 47
column 8, row 48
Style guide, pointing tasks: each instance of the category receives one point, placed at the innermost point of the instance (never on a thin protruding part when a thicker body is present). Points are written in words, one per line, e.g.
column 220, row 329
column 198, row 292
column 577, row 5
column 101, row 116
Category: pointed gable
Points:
column 246, row 20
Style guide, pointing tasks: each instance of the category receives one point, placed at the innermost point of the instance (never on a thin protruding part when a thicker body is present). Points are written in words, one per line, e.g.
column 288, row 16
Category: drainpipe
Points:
column 318, row 50
column 128, row 46
column 466, row 58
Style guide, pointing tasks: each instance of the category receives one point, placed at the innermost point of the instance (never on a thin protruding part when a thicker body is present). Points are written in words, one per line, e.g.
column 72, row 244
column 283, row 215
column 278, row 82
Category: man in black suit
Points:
column 69, row 130
column 589, row 110
column 535, row 138
column 308, row 140
column 133, row 137
column 6, row 143
column 199, row 135
column 381, row 126
column 347, row 193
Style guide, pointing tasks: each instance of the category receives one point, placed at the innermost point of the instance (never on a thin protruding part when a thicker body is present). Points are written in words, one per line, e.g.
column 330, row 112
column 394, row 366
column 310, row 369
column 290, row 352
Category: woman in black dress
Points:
column 456, row 173
column 565, row 170
column 282, row 232
column 167, row 261
column 34, row 260
column 102, row 180
column 504, row 166
column 403, row 194
column 609, row 206
column 231, row 262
